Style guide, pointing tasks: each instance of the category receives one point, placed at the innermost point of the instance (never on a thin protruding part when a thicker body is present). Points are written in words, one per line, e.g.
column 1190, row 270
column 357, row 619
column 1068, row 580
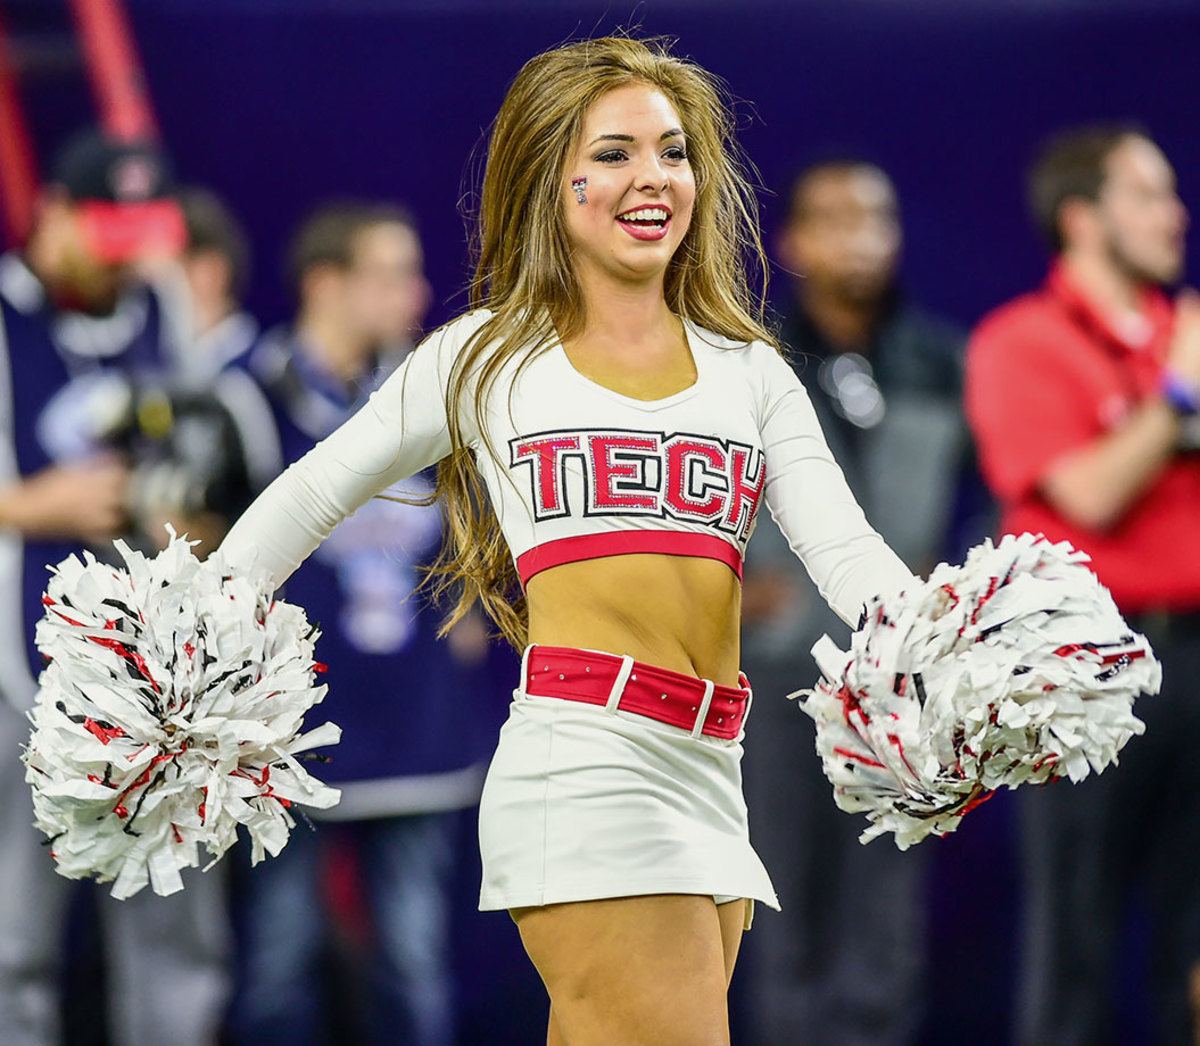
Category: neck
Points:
column 329, row 343
column 844, row 324
column 35, row 255
column 207, row 315
column 1102, row 282
column 626, row 313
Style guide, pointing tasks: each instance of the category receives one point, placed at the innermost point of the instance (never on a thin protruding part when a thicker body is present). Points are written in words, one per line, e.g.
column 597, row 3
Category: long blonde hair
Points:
column 525, row 277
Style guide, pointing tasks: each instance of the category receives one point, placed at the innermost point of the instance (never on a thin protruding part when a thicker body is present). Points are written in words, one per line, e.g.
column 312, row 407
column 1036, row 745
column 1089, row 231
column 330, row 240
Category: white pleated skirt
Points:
column 581, row 803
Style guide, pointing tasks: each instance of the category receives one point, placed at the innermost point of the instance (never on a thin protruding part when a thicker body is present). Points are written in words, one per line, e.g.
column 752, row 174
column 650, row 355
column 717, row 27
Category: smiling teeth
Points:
column 646, row 214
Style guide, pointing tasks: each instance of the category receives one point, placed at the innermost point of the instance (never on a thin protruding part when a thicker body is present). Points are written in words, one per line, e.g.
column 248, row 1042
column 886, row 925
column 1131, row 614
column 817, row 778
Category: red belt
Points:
column 670, row 697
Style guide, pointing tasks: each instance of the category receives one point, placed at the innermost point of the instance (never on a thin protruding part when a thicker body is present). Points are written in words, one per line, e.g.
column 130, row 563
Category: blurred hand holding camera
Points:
column 85, row 500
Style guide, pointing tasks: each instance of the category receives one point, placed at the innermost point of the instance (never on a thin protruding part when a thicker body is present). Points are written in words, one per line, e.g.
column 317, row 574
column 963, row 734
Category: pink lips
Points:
column 647, row 231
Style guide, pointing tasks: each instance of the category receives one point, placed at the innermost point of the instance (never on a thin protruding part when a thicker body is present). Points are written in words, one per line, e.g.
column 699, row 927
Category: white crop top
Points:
column 583, row 472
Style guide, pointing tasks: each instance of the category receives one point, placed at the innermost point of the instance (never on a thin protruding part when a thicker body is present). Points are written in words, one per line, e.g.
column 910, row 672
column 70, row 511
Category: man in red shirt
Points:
column 1084, row 399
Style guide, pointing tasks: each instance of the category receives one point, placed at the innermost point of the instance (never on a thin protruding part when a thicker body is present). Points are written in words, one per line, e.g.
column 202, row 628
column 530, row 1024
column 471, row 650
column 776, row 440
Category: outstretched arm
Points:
column 808, row 496
column 399, row 431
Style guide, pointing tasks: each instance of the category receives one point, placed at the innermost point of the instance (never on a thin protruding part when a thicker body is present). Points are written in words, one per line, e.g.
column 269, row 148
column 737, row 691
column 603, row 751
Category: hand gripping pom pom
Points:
column 1015, row 667
column 169, row 713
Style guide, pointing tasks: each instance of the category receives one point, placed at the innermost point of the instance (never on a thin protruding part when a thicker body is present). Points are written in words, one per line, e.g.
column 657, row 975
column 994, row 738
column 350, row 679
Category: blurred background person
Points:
column 1083, row 396
column 216, row 268
column 844, row 961
column 222, row 444
column 73, row 309
column 410, row 760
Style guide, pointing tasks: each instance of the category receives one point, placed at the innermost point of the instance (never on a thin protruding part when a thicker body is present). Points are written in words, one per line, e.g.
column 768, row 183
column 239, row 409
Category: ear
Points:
column 1077, row 221
column 787, row 249
column 318, row 282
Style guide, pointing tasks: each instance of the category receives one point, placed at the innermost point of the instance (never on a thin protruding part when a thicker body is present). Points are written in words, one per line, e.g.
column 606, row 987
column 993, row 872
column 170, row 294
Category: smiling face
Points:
column 640, row 187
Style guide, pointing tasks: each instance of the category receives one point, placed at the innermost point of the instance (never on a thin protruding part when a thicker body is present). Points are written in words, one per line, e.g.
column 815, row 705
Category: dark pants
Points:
column 407, row 866
column 1087, row 847
column 843, row 964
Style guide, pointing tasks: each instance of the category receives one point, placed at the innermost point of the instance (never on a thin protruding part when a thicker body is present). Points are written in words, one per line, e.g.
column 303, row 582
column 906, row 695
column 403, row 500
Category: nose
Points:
column 651, row 175
column 873, row 241
column 1182, row 218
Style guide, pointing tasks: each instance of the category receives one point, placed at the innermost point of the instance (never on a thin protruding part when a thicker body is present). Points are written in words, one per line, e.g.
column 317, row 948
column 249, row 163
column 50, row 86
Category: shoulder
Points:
column 711, row 339
column 1032, row 317
column 757, row 367
column 252, row 417
column 436, row 354
column 737, row 352
column 1023, row 344
column 922, row 352
column 455, row 334
column 19, row 288
column 236, row 389
column 268, row 356
column 934, row 333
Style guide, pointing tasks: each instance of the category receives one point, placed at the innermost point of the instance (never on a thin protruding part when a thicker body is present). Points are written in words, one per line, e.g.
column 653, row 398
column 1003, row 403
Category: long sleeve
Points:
column 809, row 498
column 399, row 431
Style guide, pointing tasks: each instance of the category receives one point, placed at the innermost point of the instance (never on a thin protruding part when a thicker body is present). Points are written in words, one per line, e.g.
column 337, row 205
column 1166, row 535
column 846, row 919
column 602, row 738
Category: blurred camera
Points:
column 182, row 445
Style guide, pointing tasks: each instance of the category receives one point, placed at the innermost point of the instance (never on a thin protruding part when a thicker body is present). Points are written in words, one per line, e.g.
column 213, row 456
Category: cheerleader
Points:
column 607, row 419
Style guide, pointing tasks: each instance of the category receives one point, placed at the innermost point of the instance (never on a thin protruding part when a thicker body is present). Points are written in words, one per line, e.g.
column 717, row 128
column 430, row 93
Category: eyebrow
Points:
column 673, row 132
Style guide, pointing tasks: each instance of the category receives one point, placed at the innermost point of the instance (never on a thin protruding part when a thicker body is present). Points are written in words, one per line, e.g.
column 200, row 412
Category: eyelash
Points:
column 676, row 154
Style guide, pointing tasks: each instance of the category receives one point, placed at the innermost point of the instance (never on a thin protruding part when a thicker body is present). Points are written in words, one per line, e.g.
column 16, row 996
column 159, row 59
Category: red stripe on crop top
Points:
column 627, row 542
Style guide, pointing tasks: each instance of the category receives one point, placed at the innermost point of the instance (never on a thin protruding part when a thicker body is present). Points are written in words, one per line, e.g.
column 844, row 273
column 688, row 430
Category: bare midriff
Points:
column 677, row 612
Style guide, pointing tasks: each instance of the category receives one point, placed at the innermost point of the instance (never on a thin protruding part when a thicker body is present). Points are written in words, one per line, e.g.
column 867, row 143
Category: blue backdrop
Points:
column 279, row 104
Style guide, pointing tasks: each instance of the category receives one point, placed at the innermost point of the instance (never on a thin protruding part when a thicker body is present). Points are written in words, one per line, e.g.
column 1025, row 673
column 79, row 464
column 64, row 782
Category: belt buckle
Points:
column 705, row 704
column 619, row 683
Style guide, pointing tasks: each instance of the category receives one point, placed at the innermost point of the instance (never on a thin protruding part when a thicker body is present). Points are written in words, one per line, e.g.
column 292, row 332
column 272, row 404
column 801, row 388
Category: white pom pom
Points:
column 1015, row 667
column 169, row 713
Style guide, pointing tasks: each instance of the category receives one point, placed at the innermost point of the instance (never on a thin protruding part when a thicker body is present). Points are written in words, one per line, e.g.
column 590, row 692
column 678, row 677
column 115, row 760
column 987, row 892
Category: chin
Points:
column 866, row 291
column 1164, row 269
column 1174, row 271
column 644, row 266
column 1163, row 274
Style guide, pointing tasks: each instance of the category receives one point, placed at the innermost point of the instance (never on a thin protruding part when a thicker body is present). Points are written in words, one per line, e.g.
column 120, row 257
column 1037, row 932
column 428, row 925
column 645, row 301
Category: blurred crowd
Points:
column 137, row 391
